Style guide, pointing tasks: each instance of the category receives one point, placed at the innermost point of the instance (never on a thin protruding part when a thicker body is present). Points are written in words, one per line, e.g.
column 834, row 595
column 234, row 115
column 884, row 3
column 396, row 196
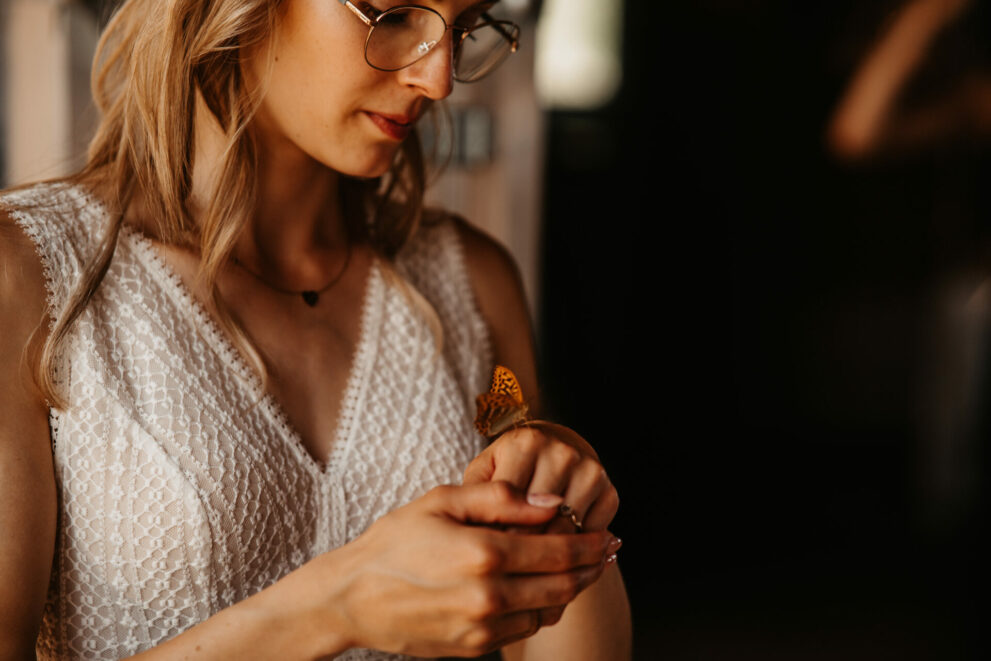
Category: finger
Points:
column 558, row 589
column 600, row 515
column 481, row 468
column 567, row 522
column 515, row 463
column 516, row 626
column 588, row 483
column 547, row 591
column 562, row 525
column 551, row 616
column 569, row 436
column 537, row 620
column 554, row 468
column 493, row 503
column 533, row 554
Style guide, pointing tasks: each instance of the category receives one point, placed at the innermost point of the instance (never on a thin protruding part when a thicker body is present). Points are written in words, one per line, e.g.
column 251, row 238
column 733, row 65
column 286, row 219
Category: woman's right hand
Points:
column 423, row 580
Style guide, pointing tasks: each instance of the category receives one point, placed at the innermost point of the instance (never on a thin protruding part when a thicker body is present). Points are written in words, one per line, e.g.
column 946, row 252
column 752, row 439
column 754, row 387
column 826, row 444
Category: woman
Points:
column 244, row 250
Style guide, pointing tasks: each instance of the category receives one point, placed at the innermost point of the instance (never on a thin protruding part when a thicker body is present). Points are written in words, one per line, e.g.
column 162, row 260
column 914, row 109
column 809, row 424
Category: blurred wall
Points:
column 48, row 115
column 495, row 177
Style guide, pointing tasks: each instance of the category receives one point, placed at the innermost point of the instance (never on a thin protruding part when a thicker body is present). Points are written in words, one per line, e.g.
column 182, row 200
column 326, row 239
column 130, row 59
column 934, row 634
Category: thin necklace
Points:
column 310, row 296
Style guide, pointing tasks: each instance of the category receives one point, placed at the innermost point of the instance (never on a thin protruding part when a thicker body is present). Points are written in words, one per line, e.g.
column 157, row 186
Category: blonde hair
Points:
column 152, row 60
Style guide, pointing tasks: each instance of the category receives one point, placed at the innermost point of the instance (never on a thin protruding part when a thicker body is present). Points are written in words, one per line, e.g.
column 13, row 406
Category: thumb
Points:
column 497, row 503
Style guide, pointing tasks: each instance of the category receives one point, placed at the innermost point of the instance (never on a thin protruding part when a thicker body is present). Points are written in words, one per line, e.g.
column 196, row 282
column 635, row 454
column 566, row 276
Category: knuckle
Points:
column 529, row 440
column 541, row 434
column 566, row 454
column 486, row 559
column 478, row 639
column 591, row 471
column 486, row 602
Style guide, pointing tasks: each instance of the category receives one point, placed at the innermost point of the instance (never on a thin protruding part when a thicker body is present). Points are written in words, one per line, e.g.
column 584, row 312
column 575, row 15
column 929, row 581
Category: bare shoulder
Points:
column 27, row 481
column 23, row 296
column 498, row 288
column 23, row 312
column 491, row 268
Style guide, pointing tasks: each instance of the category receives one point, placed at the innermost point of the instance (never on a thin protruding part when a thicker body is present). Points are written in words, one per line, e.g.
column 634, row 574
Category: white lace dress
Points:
column 182, row 487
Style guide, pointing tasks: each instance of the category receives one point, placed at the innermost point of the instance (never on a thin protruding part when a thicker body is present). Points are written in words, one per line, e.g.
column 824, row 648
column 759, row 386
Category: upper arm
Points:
column 597, row 624
column 498, row 289
column 27, row 482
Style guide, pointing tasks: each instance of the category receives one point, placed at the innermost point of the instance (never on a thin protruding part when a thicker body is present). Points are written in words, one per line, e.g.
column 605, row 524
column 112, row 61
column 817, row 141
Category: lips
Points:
column 396, row 127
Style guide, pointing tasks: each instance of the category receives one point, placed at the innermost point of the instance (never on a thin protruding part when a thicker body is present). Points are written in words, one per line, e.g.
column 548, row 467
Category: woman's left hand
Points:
column 547, row 458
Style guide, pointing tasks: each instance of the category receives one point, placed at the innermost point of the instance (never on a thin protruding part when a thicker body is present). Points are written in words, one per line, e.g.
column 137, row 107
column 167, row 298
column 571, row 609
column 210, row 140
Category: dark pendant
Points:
column 310, row 298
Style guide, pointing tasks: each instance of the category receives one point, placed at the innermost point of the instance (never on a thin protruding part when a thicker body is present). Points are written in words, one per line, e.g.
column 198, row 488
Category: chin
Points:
column 373, row 167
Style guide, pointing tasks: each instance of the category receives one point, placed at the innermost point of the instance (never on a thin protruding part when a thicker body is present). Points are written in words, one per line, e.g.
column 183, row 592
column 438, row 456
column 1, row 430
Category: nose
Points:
column 433, row 74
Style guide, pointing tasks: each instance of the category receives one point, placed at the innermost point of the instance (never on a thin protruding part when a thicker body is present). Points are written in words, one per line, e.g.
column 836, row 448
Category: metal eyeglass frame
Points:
column 371, row 17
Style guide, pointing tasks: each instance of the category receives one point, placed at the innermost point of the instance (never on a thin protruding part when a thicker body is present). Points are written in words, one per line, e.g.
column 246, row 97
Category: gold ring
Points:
column 565, row 510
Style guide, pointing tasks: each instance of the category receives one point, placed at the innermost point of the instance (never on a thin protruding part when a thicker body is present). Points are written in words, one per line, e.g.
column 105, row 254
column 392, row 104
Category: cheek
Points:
column 317, row 85
column 307, row 94
column 318, row 58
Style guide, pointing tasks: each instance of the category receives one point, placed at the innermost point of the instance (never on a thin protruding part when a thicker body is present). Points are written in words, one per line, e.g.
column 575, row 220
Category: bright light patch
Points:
column 579, row 46
column 516, row 5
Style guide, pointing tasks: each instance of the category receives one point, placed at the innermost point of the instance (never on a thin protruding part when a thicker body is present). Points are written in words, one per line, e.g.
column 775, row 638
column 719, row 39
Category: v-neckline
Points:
column 211, row 332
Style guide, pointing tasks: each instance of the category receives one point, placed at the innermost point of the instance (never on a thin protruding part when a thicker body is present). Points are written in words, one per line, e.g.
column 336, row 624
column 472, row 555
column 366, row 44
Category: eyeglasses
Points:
column 400, row 36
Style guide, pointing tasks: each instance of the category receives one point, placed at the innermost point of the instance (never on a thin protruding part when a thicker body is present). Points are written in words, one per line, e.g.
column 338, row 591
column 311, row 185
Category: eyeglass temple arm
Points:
column 487, row 17
column 365, row 18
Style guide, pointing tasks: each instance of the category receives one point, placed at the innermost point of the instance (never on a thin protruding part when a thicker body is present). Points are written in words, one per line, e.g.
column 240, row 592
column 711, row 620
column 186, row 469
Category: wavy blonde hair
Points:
column 152, row 60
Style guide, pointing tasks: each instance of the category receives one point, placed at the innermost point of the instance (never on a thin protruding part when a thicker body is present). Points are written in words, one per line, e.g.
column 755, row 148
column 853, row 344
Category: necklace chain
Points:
column 310, row 296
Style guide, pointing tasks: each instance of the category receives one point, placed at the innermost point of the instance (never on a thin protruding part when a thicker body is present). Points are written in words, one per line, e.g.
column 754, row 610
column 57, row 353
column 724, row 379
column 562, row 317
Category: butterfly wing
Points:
column 497, row 412
column 505, row 382
column 502, row 407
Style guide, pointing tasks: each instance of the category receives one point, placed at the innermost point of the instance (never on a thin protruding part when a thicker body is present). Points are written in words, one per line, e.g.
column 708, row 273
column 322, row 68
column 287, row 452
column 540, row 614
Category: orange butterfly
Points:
column 502, row 407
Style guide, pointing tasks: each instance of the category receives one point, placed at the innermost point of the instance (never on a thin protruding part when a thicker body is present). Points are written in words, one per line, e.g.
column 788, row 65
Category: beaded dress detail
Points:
column 182, row 486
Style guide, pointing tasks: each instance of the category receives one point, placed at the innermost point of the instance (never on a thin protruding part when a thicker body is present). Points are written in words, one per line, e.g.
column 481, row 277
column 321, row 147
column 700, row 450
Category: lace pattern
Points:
column 183, row 487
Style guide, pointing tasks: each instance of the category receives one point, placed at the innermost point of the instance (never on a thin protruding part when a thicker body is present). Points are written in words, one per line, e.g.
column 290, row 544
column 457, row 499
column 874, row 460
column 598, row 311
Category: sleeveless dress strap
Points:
column 64, row 223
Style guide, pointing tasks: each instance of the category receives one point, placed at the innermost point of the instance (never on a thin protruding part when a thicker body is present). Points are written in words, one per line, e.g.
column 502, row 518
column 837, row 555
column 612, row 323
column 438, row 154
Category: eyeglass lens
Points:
column 484, row 49
column 403, row 35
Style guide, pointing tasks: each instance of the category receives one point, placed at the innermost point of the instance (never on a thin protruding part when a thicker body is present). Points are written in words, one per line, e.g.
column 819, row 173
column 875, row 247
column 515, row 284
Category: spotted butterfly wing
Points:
column 502, row 407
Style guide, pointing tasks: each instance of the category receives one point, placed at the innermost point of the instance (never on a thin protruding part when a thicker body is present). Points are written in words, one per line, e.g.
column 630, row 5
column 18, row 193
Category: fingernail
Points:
column 611, row 559
column 544, row 499
column 614, row 545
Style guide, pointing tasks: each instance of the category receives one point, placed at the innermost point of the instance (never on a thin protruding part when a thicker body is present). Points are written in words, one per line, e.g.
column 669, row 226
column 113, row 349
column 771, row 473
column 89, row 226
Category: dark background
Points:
column 742, row 326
